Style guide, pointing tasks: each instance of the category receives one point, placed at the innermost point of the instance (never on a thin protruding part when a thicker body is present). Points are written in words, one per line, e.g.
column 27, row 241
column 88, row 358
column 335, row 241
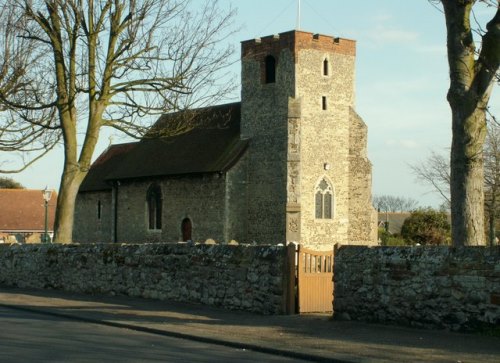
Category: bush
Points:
column 427, row 227
column 396, row 241
column 387, row 239
column 8, row 183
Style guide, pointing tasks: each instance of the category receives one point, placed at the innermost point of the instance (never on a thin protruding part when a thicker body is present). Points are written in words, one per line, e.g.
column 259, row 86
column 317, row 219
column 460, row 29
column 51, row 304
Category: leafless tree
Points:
column 435, row 172
column 24, row 142
column 109, row 63
column 472, row 76
column 492, row 178
column 390, row 203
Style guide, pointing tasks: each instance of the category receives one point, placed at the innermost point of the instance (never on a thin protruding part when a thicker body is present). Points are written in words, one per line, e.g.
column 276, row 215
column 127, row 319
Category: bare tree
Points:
column 24, row 142
column 111, row 63
column 390, row 203
column 492, row 178
column 435, row 172
column 472, row 75
column 408, row 204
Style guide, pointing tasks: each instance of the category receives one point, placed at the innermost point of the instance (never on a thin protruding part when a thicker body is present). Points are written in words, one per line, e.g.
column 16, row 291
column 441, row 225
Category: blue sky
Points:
column 401, row 80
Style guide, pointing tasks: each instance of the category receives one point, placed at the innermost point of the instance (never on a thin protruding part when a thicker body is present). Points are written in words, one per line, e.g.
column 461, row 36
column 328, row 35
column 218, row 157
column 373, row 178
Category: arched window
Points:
column 154, row 202
column 186, row 229
column 270, row 76
column 325, row 67
column 324, row 200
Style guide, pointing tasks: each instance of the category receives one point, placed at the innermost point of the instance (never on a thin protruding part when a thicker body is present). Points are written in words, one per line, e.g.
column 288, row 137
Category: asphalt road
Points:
column 32, row 337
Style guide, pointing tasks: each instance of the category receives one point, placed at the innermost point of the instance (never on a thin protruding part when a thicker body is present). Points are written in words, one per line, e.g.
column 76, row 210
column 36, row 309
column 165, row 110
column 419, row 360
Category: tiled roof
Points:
column 212, row 145
column 105, row 163
column 22, row 210
column 395, row 219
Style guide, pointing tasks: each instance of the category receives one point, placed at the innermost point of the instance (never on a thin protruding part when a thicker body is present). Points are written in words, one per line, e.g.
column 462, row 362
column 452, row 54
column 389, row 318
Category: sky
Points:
column 401, row 81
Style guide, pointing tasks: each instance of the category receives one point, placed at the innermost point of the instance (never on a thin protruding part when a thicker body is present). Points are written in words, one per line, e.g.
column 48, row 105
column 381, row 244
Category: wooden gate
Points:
column 314, row 280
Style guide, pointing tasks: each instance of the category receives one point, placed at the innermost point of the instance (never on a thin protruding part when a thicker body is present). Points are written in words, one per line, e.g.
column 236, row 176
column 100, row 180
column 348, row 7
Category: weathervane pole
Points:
column 298, row 15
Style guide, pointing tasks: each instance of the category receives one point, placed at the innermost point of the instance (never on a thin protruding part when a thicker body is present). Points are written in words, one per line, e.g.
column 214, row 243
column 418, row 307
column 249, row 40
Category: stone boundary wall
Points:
column 239, row 277
column 431, row 287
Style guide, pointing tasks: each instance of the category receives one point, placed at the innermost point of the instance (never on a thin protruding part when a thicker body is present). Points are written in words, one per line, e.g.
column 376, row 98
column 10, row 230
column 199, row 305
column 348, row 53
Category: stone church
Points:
column 287, row 163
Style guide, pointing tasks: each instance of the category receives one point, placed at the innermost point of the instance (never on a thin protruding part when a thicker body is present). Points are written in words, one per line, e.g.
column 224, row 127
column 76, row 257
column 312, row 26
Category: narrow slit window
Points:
column 99, row 209
column 325, row 67
column 154, row 205
column 270, row 65
column 324, row 103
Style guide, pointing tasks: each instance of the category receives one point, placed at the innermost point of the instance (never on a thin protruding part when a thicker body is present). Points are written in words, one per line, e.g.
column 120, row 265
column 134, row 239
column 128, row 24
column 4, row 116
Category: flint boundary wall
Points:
column 431, row 287
column 251, row 278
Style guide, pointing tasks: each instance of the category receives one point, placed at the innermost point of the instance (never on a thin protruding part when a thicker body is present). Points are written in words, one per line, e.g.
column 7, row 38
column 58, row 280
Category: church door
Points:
column 186, row 228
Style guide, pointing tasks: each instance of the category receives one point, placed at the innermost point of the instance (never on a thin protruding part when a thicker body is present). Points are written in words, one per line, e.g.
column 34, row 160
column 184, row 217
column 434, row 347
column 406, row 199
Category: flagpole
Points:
column 298, row 15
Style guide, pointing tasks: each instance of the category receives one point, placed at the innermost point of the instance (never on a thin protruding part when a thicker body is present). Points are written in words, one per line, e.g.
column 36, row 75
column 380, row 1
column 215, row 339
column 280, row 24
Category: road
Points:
column 32, row 337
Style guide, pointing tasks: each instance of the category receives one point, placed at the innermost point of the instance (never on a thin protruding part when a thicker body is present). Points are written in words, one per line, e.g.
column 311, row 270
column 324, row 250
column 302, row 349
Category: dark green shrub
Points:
column 387, row 239
column 9, row 183
column 427, row 227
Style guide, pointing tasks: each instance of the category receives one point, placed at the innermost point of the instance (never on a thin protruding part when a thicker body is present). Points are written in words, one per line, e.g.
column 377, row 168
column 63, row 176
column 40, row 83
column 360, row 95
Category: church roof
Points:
column 104, row 165
column 211, row 144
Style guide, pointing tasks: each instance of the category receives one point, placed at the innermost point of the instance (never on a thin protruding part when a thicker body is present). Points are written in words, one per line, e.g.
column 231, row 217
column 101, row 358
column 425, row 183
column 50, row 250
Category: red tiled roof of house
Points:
column 22, row 210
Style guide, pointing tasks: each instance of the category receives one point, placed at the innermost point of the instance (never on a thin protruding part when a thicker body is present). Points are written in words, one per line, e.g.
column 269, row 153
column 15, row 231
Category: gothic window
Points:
column 154, row 204
column 325, row 67
column 324, row 200
column 270, row 63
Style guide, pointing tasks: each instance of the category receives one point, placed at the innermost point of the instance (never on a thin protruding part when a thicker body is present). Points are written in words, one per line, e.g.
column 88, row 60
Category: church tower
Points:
column 308, row 175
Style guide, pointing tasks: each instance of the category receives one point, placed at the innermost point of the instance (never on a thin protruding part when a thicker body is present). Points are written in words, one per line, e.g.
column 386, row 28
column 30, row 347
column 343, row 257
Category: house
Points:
column 22, row 215
column 392, row 221
column 287, row 163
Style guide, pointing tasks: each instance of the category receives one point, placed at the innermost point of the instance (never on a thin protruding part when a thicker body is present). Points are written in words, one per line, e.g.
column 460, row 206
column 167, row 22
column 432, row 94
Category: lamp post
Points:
column 47, row 193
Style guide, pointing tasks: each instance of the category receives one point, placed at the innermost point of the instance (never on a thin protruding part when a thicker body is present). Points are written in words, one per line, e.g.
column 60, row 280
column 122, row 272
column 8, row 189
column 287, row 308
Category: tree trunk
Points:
column 71, row 180
column 471, row 82
column 467, row 175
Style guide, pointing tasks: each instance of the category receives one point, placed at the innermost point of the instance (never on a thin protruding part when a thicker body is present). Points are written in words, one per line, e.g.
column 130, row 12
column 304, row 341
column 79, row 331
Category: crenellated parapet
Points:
column 295, row 41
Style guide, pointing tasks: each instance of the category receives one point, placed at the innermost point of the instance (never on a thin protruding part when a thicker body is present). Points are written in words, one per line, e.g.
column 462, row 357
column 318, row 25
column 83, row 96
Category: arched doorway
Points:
column 187, row 229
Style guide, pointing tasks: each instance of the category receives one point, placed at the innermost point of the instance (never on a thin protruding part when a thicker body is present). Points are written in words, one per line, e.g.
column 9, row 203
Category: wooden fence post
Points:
column 289, row 280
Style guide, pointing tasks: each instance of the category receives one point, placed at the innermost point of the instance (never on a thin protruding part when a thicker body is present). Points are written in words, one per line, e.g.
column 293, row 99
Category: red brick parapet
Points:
column 295, row 41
